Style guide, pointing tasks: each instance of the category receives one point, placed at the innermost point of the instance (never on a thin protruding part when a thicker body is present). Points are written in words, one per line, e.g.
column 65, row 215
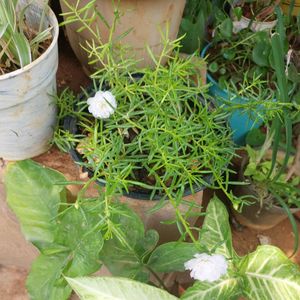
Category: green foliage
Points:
column 107, row 288
column 35, row 198
column 194, row 24
column 215, row 233
column 126, row 252
column 20, row 44
column 171, row 256
column 78, row 250
column 268, row 267
column 69, row 239
column 226, row 288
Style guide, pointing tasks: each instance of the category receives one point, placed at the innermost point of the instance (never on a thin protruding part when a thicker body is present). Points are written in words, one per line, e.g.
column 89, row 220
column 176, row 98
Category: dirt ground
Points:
column 70, row 74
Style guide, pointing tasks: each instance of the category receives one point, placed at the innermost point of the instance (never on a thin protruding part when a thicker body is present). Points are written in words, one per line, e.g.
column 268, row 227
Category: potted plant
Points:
column 254, row 14
column 157, row 138
column 139, row 23
column 76, row 239
column 241, row 74
column 29, row 59
column 272, row 195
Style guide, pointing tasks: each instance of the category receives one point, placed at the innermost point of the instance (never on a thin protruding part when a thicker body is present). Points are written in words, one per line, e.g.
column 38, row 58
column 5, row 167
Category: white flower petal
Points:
column 205, row 267
column 102, row 105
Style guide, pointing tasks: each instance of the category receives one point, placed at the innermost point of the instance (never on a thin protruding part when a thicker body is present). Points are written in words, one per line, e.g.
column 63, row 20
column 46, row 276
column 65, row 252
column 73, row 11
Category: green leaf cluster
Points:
column 19, row 43
column 73, row 242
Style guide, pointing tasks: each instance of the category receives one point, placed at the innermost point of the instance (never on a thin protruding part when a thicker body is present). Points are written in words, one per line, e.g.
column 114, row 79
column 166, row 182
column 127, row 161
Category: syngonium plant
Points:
column 72, row 241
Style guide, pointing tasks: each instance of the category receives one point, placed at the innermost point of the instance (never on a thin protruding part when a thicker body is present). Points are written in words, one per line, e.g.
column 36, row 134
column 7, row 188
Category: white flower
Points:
column 102, row 105
column 207, row 267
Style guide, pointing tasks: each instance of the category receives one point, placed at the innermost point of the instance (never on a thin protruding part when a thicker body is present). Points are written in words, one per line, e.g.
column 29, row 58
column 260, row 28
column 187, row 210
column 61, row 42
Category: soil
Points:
column 245, row 240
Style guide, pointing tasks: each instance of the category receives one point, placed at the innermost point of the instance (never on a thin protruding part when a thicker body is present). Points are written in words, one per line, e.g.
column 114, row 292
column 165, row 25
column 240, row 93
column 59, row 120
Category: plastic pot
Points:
column 144, row 18
column 241, row 122
column 245, row 22
column 255, row 25
column 258, row 216
column 27, row 110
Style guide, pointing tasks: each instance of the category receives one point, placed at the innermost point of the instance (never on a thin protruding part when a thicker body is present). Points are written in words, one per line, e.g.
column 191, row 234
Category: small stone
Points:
column 264, row 240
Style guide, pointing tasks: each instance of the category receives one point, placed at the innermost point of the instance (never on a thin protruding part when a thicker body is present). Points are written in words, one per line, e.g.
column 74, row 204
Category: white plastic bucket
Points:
column 27, row 109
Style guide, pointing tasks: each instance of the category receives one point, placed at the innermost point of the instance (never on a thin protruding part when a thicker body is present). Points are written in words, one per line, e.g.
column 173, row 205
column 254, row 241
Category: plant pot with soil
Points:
column 256, row 15
column 137, row 24
column 29, row 60
column 241, row 77
column 272, row 196
column 151, row 138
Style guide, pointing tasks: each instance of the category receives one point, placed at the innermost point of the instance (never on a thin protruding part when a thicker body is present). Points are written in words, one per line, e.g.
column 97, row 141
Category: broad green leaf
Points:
column 45, row 282
column 226, row 28
column 78, row 231
column 108, row 288
column 124, row 254
column 261, row 53
column 216, row 233
column 270, row 275
column 35, row 198
column 223, row 289
column 171, row 257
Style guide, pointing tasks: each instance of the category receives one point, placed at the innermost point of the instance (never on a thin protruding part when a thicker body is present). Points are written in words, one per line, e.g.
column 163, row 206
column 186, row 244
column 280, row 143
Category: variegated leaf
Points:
column 108, row 288
column 216, row 233
column 223, row 289
column 270, row 275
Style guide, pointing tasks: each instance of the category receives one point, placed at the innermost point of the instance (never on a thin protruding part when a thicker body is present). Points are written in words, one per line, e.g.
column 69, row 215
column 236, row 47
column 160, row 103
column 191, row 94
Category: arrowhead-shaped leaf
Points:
column 124, row 254
column 35, row 197
column 269, row 274
column 108, row 288
column 45, row 282
column 216, row 233
column 222, row 289
column 171, row 257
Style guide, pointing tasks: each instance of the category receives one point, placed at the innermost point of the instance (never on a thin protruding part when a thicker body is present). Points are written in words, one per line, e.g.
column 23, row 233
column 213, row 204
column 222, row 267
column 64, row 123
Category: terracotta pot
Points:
column 258, row 216
column 143, row 17
column 285, row 5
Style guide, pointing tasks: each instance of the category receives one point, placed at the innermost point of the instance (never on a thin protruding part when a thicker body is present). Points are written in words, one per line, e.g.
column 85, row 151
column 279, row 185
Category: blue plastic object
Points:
column 240, row 121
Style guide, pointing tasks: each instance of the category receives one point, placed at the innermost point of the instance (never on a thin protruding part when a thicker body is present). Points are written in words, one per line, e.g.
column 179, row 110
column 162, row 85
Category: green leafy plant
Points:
column 194, row 24
column 73, row 243
column 20, row 44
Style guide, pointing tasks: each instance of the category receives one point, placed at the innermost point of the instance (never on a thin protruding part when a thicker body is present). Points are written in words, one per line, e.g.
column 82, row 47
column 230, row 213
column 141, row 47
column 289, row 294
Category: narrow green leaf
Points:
column 291, row 218
column 108, row 288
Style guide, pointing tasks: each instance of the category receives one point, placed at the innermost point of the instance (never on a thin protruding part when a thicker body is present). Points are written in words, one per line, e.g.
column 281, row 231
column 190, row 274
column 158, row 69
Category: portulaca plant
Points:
column 72, row 241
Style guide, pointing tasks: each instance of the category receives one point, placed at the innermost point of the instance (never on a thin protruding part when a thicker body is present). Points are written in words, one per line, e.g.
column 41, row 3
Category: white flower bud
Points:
column 205, row 267
column 102, row 105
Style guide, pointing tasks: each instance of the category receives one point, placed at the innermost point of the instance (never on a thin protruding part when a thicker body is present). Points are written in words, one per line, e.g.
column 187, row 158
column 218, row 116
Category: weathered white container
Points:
column 27, row 109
